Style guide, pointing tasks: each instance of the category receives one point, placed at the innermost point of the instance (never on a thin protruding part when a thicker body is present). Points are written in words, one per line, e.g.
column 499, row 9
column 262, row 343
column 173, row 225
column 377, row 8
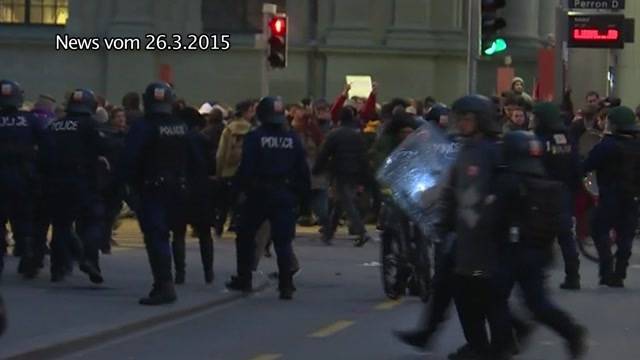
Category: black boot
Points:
column 240, row 283
column 286, row 286
column 206, row 254
column 28, row 265
column 162, row 294
column 93, row 270
column 578, row 343
column 572, row 275
column 606, row 271
column 416, row 338
column 179, row 254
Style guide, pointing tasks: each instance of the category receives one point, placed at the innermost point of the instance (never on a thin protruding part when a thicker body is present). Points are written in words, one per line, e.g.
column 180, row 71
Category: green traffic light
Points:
column 498, row 45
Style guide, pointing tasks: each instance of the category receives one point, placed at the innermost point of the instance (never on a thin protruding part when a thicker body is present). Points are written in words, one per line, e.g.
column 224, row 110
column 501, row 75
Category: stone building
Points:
column 413, row 48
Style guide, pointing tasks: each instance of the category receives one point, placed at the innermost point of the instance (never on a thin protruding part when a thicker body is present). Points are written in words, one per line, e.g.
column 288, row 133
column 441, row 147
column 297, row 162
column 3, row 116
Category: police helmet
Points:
column 484, row 110
column 622, row 120
column 436, row 111
column 270, row 110
column 82, row 101
column 548, row 119
column 11, row 94
column 523, row 152
column 158, row 98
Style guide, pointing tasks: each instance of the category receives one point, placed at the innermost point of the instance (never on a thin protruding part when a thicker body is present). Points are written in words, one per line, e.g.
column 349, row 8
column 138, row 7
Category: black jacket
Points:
column 467, row 207
column 344, row 155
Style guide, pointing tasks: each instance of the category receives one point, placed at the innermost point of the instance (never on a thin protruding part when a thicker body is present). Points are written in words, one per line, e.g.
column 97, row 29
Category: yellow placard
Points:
column 361, row 85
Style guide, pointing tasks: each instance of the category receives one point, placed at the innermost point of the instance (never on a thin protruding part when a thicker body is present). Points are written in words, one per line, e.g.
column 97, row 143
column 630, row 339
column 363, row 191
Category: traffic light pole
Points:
column 562, row 51
column 474, row 26
column 268, row 11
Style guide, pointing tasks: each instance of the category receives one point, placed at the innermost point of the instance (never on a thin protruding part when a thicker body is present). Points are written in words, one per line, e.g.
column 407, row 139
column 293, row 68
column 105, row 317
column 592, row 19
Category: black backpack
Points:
column 540, row 211
column 629, row 168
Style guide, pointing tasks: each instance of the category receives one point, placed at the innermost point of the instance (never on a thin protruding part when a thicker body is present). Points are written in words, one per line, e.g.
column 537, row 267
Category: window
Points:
column 35, row 12
column 235, row 16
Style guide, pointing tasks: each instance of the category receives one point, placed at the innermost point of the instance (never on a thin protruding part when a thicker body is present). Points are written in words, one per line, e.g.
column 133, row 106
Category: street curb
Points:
column 86, row 342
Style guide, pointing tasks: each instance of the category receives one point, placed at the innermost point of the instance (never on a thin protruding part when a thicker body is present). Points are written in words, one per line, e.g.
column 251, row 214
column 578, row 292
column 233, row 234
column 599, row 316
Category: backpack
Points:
column 540, row 211
column 629, row 169
column 234, row 156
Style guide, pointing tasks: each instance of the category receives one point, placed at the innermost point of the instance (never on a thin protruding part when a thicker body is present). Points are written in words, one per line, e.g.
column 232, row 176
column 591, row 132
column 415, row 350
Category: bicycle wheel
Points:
column 392, row 265
column 420, row 283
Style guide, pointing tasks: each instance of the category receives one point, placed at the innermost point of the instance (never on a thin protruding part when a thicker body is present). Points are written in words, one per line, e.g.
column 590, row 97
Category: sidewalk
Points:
column 46, row 319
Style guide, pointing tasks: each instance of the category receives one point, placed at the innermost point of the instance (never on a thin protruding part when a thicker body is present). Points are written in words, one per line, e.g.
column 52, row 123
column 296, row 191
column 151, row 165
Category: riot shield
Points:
column 415, row 170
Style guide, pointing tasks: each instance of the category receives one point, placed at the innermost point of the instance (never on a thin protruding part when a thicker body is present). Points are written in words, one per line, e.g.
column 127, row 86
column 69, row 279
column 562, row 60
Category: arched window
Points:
column 235, row 16
column 35, row 12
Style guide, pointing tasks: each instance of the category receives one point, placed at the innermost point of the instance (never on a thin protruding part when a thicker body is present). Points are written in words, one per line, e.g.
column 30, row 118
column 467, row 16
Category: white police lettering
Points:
column 174, row 130
column 10, row 121
column 65, row 125
column 272, row 142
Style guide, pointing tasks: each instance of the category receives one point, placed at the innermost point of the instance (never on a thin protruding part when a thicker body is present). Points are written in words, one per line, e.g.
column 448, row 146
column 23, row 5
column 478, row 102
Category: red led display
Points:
column 596, row 35
column 596, row 31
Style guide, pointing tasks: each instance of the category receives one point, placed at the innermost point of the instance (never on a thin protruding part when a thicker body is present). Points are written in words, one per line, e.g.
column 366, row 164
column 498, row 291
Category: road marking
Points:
column 389, row 304
column 332, row 329
column 267, row 357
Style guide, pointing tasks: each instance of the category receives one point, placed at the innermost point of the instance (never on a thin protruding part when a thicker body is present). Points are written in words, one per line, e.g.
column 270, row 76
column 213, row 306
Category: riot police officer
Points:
column 466, row 196
column 616, row 160
column 528, row 205
column 273, row 173
column 19, row 137
column 73, row 198
column 562, row 163
column 160, row 161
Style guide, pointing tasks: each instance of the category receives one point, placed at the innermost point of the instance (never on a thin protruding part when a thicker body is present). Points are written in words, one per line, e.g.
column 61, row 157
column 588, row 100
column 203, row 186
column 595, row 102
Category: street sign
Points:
column 596, row 4
column 596, row 31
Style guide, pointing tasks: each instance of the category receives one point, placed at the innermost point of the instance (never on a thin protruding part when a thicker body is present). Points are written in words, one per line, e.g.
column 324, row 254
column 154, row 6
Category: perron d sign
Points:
column 597, row 4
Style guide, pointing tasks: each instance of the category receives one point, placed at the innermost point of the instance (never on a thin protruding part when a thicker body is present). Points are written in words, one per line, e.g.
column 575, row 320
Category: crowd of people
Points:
column 265, row 165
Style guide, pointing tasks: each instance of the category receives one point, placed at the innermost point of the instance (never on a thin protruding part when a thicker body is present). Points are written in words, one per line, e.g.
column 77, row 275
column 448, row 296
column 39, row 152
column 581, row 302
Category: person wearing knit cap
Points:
column 616, row 161
column 517, row 87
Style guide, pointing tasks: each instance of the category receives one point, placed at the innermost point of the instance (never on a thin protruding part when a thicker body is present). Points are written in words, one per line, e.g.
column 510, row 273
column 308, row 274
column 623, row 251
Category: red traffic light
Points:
column 596, row 35
column 278, row 26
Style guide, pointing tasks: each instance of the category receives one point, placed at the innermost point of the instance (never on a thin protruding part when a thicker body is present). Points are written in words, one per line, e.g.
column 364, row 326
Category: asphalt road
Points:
column 339, row 312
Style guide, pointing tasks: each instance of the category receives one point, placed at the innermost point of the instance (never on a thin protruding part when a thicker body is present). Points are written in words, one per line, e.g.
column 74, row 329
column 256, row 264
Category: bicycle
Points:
column 404, row 253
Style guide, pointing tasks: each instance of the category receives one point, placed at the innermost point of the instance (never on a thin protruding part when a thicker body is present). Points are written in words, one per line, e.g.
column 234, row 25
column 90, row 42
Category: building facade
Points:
column 413, row 48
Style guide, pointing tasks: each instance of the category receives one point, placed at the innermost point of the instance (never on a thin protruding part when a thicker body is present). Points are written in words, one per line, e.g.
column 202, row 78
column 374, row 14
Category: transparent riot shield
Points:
column 415, row 170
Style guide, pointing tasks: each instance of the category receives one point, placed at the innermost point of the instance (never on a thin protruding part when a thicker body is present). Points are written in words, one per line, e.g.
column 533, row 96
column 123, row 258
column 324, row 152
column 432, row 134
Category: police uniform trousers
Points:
column 72, row 202
column 162, row 210
column 525, row 266
column 275, row 204
column 619, row 213
column 566, row 237
column 16, row 207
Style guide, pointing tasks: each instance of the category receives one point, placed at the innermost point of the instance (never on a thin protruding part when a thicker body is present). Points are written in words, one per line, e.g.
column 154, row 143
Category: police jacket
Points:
column 160, row 151
column 20, row 136
column 466, row 207
column 75, row 145
column 607, row 161
column 561, row 159
column 273, row 161
column 344, row 155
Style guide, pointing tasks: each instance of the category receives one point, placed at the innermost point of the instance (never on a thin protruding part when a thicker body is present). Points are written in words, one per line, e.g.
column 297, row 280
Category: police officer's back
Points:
column 273, row 173
column 562, row 163
column 158, row 164
column 19, row 137
column 616, row 160
column 528, row 206
column 76, row 145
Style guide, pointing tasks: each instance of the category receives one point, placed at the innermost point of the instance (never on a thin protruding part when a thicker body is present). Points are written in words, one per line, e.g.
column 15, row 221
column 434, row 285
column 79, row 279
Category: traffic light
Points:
column 491, row 25
column 277, row 55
